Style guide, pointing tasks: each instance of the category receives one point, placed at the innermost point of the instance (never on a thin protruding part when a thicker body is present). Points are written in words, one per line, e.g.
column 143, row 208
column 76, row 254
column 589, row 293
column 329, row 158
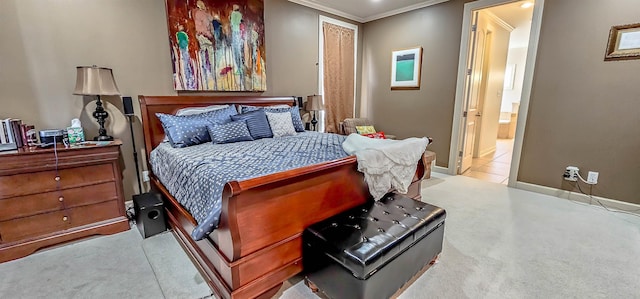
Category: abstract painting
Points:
column 217, row 45
column 406, row 66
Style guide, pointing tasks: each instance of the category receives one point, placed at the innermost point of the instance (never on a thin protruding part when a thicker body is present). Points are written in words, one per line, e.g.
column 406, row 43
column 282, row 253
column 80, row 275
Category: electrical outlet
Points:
column 592, row 177
column 571, row 174
column 145, row 176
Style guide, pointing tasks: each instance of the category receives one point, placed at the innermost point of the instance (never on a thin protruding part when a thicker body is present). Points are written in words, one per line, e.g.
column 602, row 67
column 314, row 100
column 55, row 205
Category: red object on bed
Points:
column 258, row 245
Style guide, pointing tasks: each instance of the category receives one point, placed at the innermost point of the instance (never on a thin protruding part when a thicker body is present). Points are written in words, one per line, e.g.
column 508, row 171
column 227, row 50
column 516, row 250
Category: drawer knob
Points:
column 65, row 218
column 60, row 199
column 57, row 179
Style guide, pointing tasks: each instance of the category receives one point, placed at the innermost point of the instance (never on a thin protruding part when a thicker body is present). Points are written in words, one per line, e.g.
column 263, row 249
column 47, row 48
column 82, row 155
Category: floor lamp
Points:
column 128, row 112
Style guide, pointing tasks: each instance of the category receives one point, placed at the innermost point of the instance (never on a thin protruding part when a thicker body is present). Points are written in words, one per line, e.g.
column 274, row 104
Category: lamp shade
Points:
column 93, row 80
column 314, row 103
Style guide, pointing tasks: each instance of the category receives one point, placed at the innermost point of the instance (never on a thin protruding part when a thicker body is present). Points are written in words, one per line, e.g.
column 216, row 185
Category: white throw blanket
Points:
column 386, row 164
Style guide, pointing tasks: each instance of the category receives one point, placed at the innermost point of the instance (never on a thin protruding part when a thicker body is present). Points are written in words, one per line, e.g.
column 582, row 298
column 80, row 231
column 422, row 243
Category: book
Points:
column 8, row 131
column 17, row 136
column 3, row 134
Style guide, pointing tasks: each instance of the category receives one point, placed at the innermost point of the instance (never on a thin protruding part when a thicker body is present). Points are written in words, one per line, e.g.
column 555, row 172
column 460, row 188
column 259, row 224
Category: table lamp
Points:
column 97, row 81
column 314, row 103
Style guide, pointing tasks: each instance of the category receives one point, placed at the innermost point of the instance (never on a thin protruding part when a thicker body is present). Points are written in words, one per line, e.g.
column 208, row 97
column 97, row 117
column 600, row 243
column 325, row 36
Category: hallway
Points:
column 493, row 167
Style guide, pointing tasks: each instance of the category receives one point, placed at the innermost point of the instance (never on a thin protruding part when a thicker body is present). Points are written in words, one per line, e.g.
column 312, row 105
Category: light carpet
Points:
column 499, row 243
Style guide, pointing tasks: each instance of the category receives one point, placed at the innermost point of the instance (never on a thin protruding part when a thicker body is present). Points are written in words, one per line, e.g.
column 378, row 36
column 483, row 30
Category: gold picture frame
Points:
column 624, row 42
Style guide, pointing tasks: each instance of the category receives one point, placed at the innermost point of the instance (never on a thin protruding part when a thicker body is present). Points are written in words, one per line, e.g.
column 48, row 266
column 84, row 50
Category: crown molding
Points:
column 403, row 10
column 349, row 16
column 500, row 21
column 327, row 9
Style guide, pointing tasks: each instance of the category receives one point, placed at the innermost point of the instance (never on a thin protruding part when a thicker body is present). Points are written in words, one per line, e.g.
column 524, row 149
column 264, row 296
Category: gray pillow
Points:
column 281, row 124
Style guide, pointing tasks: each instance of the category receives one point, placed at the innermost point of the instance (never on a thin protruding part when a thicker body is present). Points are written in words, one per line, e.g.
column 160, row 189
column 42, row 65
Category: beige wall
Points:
column 424, row 112
column 583, row 110
column 44, row 40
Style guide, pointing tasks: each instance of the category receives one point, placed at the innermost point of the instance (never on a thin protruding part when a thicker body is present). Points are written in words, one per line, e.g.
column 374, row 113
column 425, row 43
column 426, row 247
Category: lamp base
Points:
column 103, row 138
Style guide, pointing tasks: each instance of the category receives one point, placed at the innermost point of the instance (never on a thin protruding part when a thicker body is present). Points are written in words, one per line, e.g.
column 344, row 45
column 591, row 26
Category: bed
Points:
column 257, row 244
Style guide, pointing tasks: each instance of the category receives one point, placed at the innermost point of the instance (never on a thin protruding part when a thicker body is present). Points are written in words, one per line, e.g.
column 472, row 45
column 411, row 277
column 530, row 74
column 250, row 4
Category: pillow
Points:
column 377, row 135
column 198, row 110
column 257, row 123
column 234, row 131
column 183, row 131
column 365, row 129
column 295, row 114
column 281, row 124
column 247, row 108
column 188, row 130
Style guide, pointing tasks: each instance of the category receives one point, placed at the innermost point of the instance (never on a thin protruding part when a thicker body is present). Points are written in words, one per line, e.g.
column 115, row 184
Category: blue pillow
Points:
column 188, row 130
column 295, row 114
column 257, row 123
column 234, row 131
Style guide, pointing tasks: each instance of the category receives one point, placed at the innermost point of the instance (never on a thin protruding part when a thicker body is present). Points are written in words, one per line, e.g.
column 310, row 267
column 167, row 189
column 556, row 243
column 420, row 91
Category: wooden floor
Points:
column 493, row 167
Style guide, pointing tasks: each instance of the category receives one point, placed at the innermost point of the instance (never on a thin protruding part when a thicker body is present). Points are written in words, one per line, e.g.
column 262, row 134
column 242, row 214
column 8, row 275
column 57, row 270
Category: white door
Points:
column 472, row 93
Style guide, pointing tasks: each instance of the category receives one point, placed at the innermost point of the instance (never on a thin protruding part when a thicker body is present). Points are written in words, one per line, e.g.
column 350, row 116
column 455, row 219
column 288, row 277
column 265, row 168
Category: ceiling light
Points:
column 526, row 5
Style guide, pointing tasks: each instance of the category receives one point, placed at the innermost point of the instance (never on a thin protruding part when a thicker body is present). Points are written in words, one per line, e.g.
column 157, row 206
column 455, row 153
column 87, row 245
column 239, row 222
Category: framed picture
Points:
column 406, row 66
column 217, row 45
column 624, row 42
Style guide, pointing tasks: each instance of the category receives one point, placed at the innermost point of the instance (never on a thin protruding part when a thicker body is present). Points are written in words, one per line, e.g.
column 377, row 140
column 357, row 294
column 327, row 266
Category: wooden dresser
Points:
column 41, row 206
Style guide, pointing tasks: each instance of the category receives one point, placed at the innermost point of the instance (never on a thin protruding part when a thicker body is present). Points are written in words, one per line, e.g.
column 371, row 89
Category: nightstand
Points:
column 43, row 205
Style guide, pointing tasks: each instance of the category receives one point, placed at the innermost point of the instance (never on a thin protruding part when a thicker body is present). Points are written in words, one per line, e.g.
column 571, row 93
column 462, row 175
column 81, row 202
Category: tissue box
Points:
column 76, row 135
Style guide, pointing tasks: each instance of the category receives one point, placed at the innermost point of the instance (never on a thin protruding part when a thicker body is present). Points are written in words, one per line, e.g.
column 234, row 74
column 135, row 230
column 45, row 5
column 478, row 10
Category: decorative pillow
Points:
column 295, row 114
column 183, row 131
column 281, row 124
column 257, row 123
column 365, row 129
column 247, row 108
column 198, row 110
column 187, row 130
column 234, row 131
column 376, row 135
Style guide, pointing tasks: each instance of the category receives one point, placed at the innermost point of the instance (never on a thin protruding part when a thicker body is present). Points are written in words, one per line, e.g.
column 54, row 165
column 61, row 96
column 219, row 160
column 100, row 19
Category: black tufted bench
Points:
column 371, row 251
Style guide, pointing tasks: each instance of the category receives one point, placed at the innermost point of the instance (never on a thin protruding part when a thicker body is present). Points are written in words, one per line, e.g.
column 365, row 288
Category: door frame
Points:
column 354, row 27
column 456, row 132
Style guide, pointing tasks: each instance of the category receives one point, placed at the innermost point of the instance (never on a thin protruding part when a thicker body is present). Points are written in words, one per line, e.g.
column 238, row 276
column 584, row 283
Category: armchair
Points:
column 348, row 126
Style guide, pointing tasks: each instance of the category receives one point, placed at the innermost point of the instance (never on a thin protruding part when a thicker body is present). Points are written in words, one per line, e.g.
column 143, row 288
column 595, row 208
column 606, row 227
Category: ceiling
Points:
column 513, row 14
column 366, row 10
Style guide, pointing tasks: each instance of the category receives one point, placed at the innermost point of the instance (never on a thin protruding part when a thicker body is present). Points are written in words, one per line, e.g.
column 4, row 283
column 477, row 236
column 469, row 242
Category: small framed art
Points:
column 406, row 66
column 624, row 42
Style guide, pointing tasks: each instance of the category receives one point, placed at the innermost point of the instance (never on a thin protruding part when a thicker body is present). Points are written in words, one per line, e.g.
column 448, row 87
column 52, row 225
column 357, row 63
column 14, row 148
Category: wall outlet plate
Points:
column 145, row 176
column 592, row 177
column 571, row 173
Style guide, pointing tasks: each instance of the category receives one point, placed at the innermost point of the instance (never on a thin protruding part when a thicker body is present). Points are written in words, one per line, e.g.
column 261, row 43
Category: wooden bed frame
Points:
column 258, row 243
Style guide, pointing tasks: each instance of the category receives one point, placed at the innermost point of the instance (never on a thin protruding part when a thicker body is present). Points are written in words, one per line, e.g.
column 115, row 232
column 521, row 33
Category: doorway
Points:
column 494, row 79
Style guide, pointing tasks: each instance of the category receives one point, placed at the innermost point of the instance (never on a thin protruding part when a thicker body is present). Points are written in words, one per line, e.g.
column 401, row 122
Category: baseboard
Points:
column 440, row 169
column 609, row 203
column 486, row 152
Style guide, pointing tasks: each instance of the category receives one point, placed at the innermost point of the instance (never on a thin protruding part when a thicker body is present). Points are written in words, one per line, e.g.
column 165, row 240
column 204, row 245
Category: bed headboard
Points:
column 150, row 105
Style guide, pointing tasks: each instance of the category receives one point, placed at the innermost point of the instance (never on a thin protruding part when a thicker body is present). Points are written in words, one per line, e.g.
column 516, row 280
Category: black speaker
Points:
column 149, row 214
column 299, row 100
column 128, row 105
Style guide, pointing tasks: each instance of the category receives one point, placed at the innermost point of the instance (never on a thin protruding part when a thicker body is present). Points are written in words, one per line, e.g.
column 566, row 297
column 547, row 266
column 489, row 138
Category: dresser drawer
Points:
column 45, row 181
column 58, row 221
column 22, row 206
